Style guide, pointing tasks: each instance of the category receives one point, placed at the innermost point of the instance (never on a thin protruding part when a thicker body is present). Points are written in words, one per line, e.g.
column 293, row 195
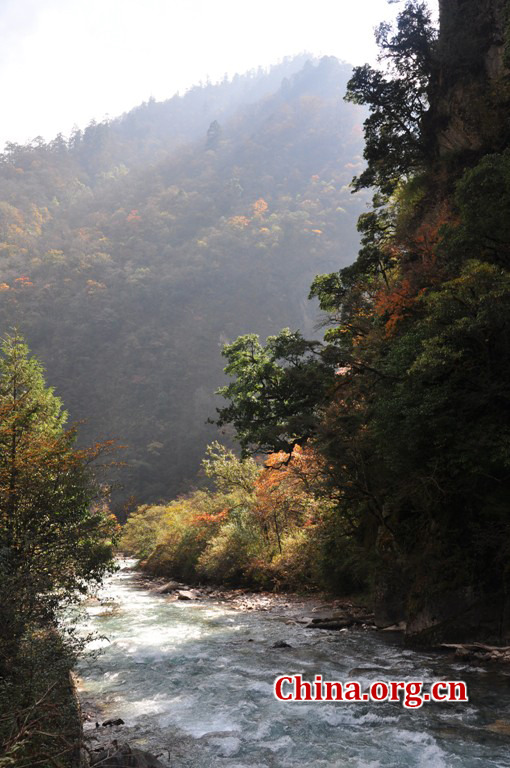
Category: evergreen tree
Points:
column 52, row 534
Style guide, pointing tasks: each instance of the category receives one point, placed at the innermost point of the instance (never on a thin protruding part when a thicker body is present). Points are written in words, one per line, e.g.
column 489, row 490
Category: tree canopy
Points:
column 55, row 541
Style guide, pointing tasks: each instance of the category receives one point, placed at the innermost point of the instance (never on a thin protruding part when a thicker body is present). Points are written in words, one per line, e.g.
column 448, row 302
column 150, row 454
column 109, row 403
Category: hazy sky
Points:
column 64, row 62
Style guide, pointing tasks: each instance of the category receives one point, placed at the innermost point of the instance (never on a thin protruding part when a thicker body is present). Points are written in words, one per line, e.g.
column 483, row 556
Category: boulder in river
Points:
column 282, row 644
column 187, row 594
column 499, row 726
column 170, row 586
column 400, row 627
column 124, row 756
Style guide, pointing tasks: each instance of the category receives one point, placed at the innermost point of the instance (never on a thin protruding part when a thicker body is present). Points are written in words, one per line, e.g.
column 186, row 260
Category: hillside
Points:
column 406, row 403
column 134, row 250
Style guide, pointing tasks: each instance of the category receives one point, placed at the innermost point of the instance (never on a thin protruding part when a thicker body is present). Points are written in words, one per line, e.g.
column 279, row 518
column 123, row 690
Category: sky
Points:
column 66, row 62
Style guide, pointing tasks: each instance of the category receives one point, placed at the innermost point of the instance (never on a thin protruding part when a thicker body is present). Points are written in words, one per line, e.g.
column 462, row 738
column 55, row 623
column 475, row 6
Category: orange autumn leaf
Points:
column 259, row 207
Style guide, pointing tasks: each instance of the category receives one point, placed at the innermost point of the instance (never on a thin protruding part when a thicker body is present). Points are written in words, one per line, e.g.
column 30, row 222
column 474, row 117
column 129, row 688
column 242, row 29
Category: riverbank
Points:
column 40, row 718
column 314, row 610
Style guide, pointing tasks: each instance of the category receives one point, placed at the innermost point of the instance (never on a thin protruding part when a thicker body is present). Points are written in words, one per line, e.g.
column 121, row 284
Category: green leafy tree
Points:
column 277, row 390
column 396, row 142
column 482, row 201
column 228, row 472
column 448, row 409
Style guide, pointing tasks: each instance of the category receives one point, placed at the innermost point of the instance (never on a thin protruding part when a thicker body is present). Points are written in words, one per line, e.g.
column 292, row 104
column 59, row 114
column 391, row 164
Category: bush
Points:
column 180, row 541
column 142, row 530
column 297, row 567
column 229, row 554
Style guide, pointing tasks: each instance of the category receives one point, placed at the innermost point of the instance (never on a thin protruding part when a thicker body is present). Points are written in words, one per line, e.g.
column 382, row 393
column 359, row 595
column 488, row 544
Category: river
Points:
column 193, row 682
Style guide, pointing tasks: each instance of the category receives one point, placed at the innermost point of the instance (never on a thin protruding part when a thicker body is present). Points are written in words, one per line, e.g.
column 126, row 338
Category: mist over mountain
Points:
column 135, row 249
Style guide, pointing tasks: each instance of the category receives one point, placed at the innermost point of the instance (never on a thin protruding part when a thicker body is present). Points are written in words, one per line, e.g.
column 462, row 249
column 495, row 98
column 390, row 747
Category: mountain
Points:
column 132, row 251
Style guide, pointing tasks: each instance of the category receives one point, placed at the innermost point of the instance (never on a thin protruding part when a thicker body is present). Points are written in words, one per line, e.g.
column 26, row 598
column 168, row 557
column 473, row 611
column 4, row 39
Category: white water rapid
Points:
column 193, row 682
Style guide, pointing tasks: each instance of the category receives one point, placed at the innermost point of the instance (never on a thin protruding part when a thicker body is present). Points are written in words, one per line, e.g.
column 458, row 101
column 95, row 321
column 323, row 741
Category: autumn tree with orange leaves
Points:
column 284, row 498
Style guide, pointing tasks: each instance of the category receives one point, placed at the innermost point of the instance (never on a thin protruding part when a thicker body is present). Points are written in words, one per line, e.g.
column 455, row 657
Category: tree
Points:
column 276, row 395
column 213, row 135
column 54, row 538
column 482, row 226
column 396, row 143
column 228, row 472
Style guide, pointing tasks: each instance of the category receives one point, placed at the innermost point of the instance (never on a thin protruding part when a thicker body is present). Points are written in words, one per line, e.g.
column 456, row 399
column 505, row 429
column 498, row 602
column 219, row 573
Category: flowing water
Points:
column 193, row 682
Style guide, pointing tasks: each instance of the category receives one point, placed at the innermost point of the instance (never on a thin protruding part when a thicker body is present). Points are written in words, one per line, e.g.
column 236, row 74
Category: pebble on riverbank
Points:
column 479, row 652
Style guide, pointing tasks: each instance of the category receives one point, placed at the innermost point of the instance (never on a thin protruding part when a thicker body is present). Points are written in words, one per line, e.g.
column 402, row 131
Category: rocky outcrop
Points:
column 123, row 756
column 465, row 614
column 472, row 88
column 343, row 618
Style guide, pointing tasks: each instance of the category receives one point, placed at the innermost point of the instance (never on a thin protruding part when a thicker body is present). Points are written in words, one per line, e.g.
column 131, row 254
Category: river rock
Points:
column 124, row 756
column 187, row 594
column 282, row 644
column 117, row 721
column 170, row 586
column 499, row 726
column 400, row 627
column 349, row 616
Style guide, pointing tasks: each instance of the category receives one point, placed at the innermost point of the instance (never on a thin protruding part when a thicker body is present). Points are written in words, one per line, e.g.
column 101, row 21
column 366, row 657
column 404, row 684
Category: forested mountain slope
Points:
column 132, row 251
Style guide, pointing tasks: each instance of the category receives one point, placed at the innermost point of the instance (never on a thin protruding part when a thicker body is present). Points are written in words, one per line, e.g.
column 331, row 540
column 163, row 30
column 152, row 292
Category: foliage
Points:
column 274, row 398
column 44, row 727
column 131, row 252
column 141, row 532
column 398, row 98
column 412, row 436
column 447, row 410
column 228, row 472
column 182, row 537
column 262, row 527
column 55, row 540
column 482, row 228
column 232, row 556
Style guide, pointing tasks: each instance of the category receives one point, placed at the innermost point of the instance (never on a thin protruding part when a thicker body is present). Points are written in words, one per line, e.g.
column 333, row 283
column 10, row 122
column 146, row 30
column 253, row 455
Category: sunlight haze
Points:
column 66, row 62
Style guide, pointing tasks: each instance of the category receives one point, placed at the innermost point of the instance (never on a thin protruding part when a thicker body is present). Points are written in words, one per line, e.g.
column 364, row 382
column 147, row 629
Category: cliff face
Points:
column 473, row 76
